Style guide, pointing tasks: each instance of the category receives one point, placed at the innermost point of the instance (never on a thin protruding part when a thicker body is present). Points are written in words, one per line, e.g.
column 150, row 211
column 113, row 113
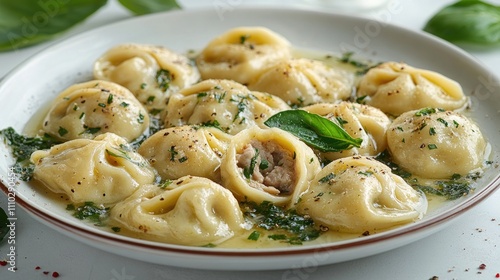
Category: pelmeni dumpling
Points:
column 240, row 54
column 436, row 144
column 179, row 151
column 304, row 81
column 268, row 165
column 360, row 121
column 396, row 88
column 196, row 212
column 222, row 103
column 104, row 170
column 150, row 72
column 88, row 109
column 360, row 195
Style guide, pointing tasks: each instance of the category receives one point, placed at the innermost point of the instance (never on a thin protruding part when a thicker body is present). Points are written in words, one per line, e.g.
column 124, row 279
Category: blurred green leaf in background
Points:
column 27, row 22
column 467, row 21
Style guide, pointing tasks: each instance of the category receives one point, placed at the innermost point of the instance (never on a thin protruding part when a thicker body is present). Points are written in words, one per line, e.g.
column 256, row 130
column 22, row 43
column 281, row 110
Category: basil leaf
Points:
column 314, row 130
column 141, row 7
column 4, row 222
column 27, row 22
column 467, row 21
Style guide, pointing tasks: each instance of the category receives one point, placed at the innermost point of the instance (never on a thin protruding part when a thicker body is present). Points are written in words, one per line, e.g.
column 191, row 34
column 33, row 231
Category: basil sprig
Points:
column 467, row 21
column 314, row 130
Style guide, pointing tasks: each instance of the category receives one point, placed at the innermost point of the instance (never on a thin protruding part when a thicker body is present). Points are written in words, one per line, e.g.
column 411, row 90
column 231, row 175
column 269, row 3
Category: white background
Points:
column 453, row 253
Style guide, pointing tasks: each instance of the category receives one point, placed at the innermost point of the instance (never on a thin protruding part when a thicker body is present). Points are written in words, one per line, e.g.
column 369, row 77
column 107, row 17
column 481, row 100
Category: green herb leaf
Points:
column 254, row 235
column 26, row 22
column 314, row 130
column 467, row 21
column 286, row 225
column 248, row 171
column 4, row 222
column 94, row 213
column 142, row 7
column 163, row 79
column 23, row 146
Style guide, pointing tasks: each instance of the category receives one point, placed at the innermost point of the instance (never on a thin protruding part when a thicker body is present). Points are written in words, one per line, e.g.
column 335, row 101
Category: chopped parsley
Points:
column 425, row 112
column 432, row 146
column 213, row 123
column 90, row 130
column 341, row 121
column 286, row 225
column 140, row 119
column 432, row 131
column 244, row 38
column 122, row 152
column 456, row 187
column 254, row 235
column 248, row 171
column 327, row 178
column 96, row 214
column 163, row 79
column 451, row 189
column 173, row 153
column 62, row 131
column 110, row 98
column 441, row 120
column 22, row 147
column 201, row 94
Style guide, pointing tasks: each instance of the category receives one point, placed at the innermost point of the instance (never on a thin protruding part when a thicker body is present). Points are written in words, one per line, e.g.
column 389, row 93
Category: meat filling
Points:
column 269, row 166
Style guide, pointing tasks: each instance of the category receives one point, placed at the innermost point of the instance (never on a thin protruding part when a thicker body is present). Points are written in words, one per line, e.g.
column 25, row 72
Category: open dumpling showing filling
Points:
column 268, row 165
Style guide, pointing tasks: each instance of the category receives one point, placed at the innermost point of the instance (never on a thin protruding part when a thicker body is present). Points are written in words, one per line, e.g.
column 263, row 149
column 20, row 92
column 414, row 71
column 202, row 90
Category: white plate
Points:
column 43, row 76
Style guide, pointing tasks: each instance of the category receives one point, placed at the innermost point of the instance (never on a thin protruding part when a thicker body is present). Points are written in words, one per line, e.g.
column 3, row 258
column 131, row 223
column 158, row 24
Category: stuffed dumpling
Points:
column 241, row 53
column 360, row 195
column 268, row 165
column 103, row 170
column 186, row 150
column 150, row 72
column 303, row 82
column 396, row 88
column 195, row 212
column 359, row 121
column 225, row 104
column 92, row 108
column 436, row 144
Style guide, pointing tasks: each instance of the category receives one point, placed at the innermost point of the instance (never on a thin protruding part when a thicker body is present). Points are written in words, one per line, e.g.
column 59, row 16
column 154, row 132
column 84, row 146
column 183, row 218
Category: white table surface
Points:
column 455, row 252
